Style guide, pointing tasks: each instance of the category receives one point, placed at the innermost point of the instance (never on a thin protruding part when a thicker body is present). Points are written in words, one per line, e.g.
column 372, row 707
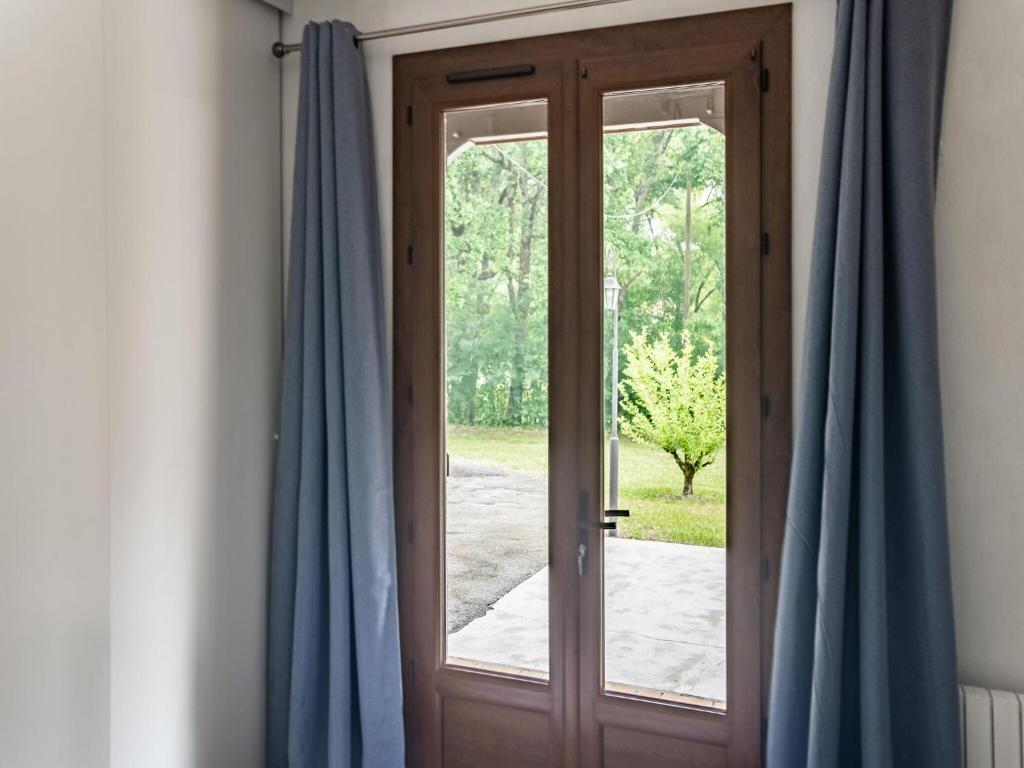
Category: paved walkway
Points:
column 664, row 603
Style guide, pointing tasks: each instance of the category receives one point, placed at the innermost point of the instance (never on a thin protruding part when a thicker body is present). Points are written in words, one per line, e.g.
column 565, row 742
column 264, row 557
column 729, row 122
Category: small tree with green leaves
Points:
column 675, row 402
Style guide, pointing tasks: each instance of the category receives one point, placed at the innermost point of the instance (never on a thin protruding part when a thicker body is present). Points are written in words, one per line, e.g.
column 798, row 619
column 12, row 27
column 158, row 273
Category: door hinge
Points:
column 765, row 244
column 408, row 115
column 411, row 670
column 765, row 406
column 408, row 255
column 764, row 80
column 766, row 568
column 408, row 393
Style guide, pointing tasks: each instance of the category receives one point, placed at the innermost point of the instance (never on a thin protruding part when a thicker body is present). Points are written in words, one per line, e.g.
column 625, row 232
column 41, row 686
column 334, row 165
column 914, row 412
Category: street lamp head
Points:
column 611, row 293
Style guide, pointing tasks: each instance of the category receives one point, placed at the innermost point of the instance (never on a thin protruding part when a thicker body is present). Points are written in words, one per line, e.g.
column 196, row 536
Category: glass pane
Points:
column 664, row 249
column 496, row 412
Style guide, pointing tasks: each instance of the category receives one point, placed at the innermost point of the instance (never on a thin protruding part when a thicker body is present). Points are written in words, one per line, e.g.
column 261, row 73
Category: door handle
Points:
column 584, row 527
column 604, row 525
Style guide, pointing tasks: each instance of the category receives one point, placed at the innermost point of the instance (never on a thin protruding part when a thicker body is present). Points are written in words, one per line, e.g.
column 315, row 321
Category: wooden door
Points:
column 464, row 704
column 623, row 721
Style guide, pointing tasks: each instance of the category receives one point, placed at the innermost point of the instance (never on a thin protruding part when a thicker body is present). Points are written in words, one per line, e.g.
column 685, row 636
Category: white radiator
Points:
column 991, row 724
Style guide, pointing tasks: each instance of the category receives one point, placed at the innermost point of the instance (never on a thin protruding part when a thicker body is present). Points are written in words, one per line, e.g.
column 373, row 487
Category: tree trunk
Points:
column 520, row 301
column 687, row 257
column 688, row 472
column 469, row 385
column 514, row 409
column 641, row 193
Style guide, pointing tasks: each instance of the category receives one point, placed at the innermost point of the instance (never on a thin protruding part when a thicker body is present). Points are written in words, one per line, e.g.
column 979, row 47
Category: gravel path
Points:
column 496, row 535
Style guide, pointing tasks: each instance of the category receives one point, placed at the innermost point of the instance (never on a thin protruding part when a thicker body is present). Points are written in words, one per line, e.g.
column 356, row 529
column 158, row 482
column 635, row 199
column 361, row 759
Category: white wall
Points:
column 54, row 631
column 193, row 141
column 980, row 232
column 981, row 272
column 139, row 333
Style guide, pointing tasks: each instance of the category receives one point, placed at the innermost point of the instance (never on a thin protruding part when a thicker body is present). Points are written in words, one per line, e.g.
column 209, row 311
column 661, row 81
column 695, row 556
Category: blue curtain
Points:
column 334, row 690
column 865, row 663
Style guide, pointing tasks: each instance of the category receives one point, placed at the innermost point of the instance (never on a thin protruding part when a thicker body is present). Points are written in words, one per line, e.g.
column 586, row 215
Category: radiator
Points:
column 991, row 724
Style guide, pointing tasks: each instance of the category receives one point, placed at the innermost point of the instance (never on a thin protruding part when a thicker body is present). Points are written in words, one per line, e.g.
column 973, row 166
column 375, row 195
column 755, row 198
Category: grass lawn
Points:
column 650, row 484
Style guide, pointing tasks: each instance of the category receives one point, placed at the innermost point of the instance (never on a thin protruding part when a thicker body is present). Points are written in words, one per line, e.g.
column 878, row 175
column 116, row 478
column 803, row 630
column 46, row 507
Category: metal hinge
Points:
column 764, row 80
column 765, row 406
column 408, row 115
column 411, row 670
column 765, row 244
column 408, row 255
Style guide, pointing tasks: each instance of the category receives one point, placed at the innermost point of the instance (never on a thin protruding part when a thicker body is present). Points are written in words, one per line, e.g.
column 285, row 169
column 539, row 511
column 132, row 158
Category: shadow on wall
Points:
column 193, row 195
column 243, row 366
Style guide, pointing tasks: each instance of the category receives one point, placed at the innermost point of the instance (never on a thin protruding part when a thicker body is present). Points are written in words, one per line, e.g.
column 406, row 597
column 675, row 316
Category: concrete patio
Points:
column 664, row 603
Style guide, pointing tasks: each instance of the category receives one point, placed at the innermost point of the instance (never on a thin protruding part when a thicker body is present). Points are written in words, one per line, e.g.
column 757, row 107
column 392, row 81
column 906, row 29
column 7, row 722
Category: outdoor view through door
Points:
column 592, row 373
column 664, row 331
column 496, row 378
column 664, row 296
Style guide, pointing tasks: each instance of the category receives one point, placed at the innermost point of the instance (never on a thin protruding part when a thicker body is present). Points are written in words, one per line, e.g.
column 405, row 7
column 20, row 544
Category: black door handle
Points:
column 606, row 525
column 616, row 513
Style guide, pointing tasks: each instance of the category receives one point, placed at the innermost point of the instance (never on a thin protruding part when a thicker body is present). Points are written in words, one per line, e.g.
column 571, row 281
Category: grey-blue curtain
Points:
column 865, row 663
column 334, row 690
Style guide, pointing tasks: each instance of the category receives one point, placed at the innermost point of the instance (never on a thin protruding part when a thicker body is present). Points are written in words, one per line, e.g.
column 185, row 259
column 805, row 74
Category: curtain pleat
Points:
column 865, row 665
column 334, row 694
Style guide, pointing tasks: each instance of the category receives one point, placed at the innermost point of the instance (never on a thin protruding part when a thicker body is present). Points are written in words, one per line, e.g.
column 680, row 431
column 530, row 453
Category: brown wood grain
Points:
column 621, row 749
column 475, row 717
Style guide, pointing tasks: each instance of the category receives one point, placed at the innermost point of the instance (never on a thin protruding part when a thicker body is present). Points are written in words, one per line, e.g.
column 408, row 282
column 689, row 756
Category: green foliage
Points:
column 496, row 262
column 676, row 402
column 646, row 175
column 496, row 282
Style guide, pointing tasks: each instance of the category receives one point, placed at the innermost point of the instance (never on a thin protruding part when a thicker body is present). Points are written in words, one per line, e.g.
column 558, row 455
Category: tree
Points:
column 672, row 275
column 664, row 234
column 496, row 285
column 675, row 402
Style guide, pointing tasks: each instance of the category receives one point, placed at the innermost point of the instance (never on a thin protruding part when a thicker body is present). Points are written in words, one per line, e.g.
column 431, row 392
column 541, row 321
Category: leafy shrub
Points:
column 675, row 401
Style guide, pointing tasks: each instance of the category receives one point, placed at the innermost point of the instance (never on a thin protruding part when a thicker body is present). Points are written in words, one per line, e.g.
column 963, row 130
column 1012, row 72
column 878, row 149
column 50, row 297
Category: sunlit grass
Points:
column 522, row 449
column 650, row 484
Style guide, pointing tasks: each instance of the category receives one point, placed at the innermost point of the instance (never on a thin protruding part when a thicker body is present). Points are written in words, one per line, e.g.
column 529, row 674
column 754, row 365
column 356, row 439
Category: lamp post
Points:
column 612, row 289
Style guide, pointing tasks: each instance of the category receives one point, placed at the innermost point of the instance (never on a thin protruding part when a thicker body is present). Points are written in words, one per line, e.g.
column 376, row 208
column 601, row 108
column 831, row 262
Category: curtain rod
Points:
column 280, row 50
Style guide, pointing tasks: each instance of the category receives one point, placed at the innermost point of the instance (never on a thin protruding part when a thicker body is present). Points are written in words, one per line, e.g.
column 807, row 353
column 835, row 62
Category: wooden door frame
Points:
column 418, row 89
column 418, row 366
column 735, row 733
